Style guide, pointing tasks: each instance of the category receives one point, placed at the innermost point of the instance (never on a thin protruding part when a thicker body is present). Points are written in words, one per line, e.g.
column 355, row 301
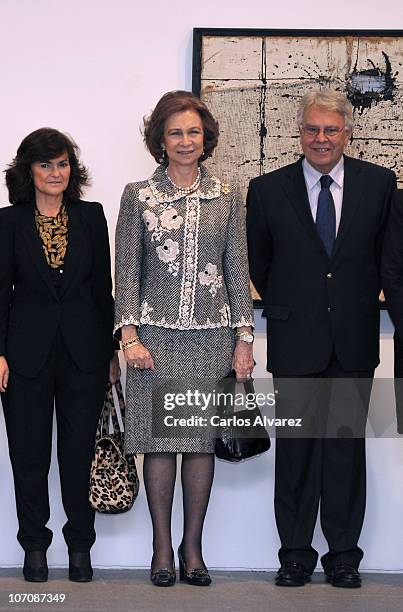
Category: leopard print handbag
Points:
column 114, row 483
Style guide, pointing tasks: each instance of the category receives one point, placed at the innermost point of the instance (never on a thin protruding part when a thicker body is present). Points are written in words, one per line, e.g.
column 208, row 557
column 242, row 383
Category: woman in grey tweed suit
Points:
column 183, row 310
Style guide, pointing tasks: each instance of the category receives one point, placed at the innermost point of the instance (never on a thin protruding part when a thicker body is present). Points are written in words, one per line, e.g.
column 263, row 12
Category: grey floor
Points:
column 124, row 590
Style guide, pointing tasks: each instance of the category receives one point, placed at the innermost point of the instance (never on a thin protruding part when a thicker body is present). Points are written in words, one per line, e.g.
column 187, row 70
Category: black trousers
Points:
column 28, row 408
column 398, row 354
column 323, row 468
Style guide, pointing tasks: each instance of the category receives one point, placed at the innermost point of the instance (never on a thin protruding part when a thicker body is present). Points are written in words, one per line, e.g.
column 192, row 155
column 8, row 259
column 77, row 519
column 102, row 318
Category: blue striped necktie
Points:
column 326, row 214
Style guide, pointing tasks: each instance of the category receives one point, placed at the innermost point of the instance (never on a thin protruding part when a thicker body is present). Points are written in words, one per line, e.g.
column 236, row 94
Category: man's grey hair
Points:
column 330, row 100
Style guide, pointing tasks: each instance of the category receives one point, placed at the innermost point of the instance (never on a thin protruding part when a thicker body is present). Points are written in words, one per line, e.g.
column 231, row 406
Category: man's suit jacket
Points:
column 392, row 280
column 315, row 304
column 32, row 310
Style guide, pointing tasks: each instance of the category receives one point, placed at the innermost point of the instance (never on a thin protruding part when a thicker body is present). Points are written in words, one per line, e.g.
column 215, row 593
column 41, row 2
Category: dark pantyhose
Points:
column 159, row 473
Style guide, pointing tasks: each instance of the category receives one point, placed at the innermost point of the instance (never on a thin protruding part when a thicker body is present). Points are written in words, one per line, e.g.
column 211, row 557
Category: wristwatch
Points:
column 245, row 337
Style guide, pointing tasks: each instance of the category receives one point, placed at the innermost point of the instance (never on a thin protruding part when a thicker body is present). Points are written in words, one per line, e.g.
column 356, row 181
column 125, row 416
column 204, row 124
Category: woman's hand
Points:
column 242, row 361
column 138, row 356
column 4, row 374
column 114, row 369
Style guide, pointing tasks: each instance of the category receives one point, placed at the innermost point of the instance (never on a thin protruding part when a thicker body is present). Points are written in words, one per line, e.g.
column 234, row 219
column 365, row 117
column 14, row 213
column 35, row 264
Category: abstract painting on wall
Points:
column 252, row 81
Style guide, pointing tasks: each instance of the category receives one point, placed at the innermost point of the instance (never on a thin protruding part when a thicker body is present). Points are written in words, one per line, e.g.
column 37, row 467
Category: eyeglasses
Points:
column 328, row 131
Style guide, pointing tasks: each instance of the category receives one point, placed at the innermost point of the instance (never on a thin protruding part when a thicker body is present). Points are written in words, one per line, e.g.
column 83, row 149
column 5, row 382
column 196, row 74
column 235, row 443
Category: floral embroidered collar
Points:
column 164, row 192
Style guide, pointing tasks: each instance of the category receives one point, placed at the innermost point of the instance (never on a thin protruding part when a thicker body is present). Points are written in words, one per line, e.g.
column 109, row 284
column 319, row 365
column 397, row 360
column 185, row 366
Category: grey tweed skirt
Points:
column 177, row 355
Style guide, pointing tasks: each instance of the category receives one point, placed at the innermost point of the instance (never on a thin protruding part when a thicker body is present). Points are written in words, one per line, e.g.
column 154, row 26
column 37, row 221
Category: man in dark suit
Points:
column 392, row 282
column 315, row 231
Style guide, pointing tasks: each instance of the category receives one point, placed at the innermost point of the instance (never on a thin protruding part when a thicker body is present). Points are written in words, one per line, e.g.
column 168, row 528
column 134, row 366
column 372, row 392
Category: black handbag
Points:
column 231, row 442
column 114, row 483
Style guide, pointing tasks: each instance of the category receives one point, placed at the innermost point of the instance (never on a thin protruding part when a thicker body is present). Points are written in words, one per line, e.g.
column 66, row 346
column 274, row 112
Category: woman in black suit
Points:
column 56, row 348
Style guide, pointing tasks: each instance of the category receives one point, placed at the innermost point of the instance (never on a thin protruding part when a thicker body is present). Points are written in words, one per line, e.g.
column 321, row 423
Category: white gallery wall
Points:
column 93, row 68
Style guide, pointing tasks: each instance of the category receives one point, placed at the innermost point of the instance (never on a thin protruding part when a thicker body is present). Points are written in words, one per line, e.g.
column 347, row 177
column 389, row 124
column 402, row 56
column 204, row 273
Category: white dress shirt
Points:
column 313, row 187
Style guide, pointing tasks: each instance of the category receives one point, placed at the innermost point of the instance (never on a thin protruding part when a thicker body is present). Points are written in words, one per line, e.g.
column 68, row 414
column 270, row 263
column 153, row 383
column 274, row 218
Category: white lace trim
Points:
column 145, row 310
column 243, row 323
column 208, row 325
column 190, row 258
column 130, row 321
column 145, row 319
column 225, row 313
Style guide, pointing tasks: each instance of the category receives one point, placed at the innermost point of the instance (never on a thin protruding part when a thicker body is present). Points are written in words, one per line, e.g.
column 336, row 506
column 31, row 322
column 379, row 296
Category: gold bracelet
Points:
column 245, row 336
column 129, row 343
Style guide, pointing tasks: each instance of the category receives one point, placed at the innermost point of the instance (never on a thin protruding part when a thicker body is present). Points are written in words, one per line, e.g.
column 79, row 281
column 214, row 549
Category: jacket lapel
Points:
column 75, row 238
column 352, row 193
column 29, row 229
column 296, row 192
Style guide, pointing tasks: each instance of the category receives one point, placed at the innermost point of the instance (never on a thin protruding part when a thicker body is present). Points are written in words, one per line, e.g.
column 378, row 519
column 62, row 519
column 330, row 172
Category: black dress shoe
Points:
column 35, row 566
column 163, row 577
column 292, row 574
column 80, row 569
column 344, row 576
column 198, row 576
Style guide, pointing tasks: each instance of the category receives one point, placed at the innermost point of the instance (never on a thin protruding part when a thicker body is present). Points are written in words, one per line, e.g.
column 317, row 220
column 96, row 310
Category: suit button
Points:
column 329, row 275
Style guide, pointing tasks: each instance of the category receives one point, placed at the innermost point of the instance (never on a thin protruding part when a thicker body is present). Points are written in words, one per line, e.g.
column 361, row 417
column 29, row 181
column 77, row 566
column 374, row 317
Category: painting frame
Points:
column 200, row 35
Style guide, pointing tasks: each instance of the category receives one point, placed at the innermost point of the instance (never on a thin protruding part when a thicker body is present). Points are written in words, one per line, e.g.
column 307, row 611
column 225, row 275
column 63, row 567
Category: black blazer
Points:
column 392, row 263
column 314, row 304
column 31, row 310
column 392, row 278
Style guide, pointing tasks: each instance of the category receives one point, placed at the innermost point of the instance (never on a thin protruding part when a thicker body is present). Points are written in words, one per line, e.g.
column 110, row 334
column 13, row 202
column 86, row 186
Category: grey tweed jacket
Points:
column 181, row 261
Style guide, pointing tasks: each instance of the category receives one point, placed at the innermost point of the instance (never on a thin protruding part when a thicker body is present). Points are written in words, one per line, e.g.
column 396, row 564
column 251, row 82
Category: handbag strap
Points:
column 103, row 423
column 121, row 400
column 247, row 384
column 115, row 421
column 109, row 411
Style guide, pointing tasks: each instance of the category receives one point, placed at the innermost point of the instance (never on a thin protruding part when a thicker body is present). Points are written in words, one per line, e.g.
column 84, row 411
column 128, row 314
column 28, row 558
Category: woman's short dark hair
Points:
column 177, row 102
column 39, row 146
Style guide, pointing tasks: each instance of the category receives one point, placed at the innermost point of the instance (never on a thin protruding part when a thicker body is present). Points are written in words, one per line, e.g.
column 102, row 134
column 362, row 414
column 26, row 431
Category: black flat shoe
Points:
column 35, row 566
column 80, row 569
column 344, row 576
column 198, row 576
column 292, row 574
